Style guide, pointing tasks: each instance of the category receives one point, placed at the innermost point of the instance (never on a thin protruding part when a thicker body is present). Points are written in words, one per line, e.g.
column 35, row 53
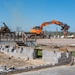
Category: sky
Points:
column 26, row 14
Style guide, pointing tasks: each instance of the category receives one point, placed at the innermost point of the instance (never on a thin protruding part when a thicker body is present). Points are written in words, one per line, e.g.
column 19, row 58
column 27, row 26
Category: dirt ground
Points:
column 64, row 44
column 5, row 60
column 61, row 42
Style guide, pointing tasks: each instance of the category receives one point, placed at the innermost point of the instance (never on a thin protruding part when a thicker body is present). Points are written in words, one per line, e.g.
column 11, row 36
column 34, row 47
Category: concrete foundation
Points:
column 54, row 57
column 21, row 52
column 57, row 57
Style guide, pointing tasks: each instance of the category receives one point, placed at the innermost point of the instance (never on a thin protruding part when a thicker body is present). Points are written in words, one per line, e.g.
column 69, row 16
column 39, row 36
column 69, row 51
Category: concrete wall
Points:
column 52, row 57
column 22, row 52
column 57, row 57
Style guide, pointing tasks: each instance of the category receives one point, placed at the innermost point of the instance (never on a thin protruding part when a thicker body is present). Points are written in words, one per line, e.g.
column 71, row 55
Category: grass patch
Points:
column 39, row 53
column 73, row 53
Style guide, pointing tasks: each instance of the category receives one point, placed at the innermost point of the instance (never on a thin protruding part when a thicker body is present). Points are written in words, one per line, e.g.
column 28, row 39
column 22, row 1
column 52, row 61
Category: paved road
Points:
column 62, row 70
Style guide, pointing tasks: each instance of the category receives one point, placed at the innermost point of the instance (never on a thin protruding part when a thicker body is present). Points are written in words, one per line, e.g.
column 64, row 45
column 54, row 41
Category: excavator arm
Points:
column 64, row 27
column 44, row 24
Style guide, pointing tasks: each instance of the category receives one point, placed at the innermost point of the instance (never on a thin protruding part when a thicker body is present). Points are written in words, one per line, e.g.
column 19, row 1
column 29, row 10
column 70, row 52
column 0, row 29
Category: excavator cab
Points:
column 36, row 27
column 37, row 30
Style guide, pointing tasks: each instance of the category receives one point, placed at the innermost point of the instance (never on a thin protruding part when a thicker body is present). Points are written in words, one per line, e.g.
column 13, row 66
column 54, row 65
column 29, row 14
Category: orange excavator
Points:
column 39, row 29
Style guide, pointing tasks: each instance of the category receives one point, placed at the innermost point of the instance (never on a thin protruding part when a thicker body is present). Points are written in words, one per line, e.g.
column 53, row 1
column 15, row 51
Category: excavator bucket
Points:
column 65, row 27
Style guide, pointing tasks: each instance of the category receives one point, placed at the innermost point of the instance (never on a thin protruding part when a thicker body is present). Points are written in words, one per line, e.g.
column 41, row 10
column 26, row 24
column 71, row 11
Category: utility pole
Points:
column 56, row 32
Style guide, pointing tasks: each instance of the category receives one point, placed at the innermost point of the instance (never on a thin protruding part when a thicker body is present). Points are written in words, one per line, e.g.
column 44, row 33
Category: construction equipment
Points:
column 5, row 28
column 39, row 29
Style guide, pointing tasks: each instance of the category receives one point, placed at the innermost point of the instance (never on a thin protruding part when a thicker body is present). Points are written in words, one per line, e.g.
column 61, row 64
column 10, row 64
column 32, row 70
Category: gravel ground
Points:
column 62, row 70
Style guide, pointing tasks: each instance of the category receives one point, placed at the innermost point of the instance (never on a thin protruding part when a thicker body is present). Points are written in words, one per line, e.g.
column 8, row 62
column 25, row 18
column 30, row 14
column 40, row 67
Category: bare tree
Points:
column 18, row 28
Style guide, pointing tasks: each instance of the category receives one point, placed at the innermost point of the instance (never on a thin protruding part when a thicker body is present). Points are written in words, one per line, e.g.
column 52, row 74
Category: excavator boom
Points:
column 39, row 30
column 64, row 26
